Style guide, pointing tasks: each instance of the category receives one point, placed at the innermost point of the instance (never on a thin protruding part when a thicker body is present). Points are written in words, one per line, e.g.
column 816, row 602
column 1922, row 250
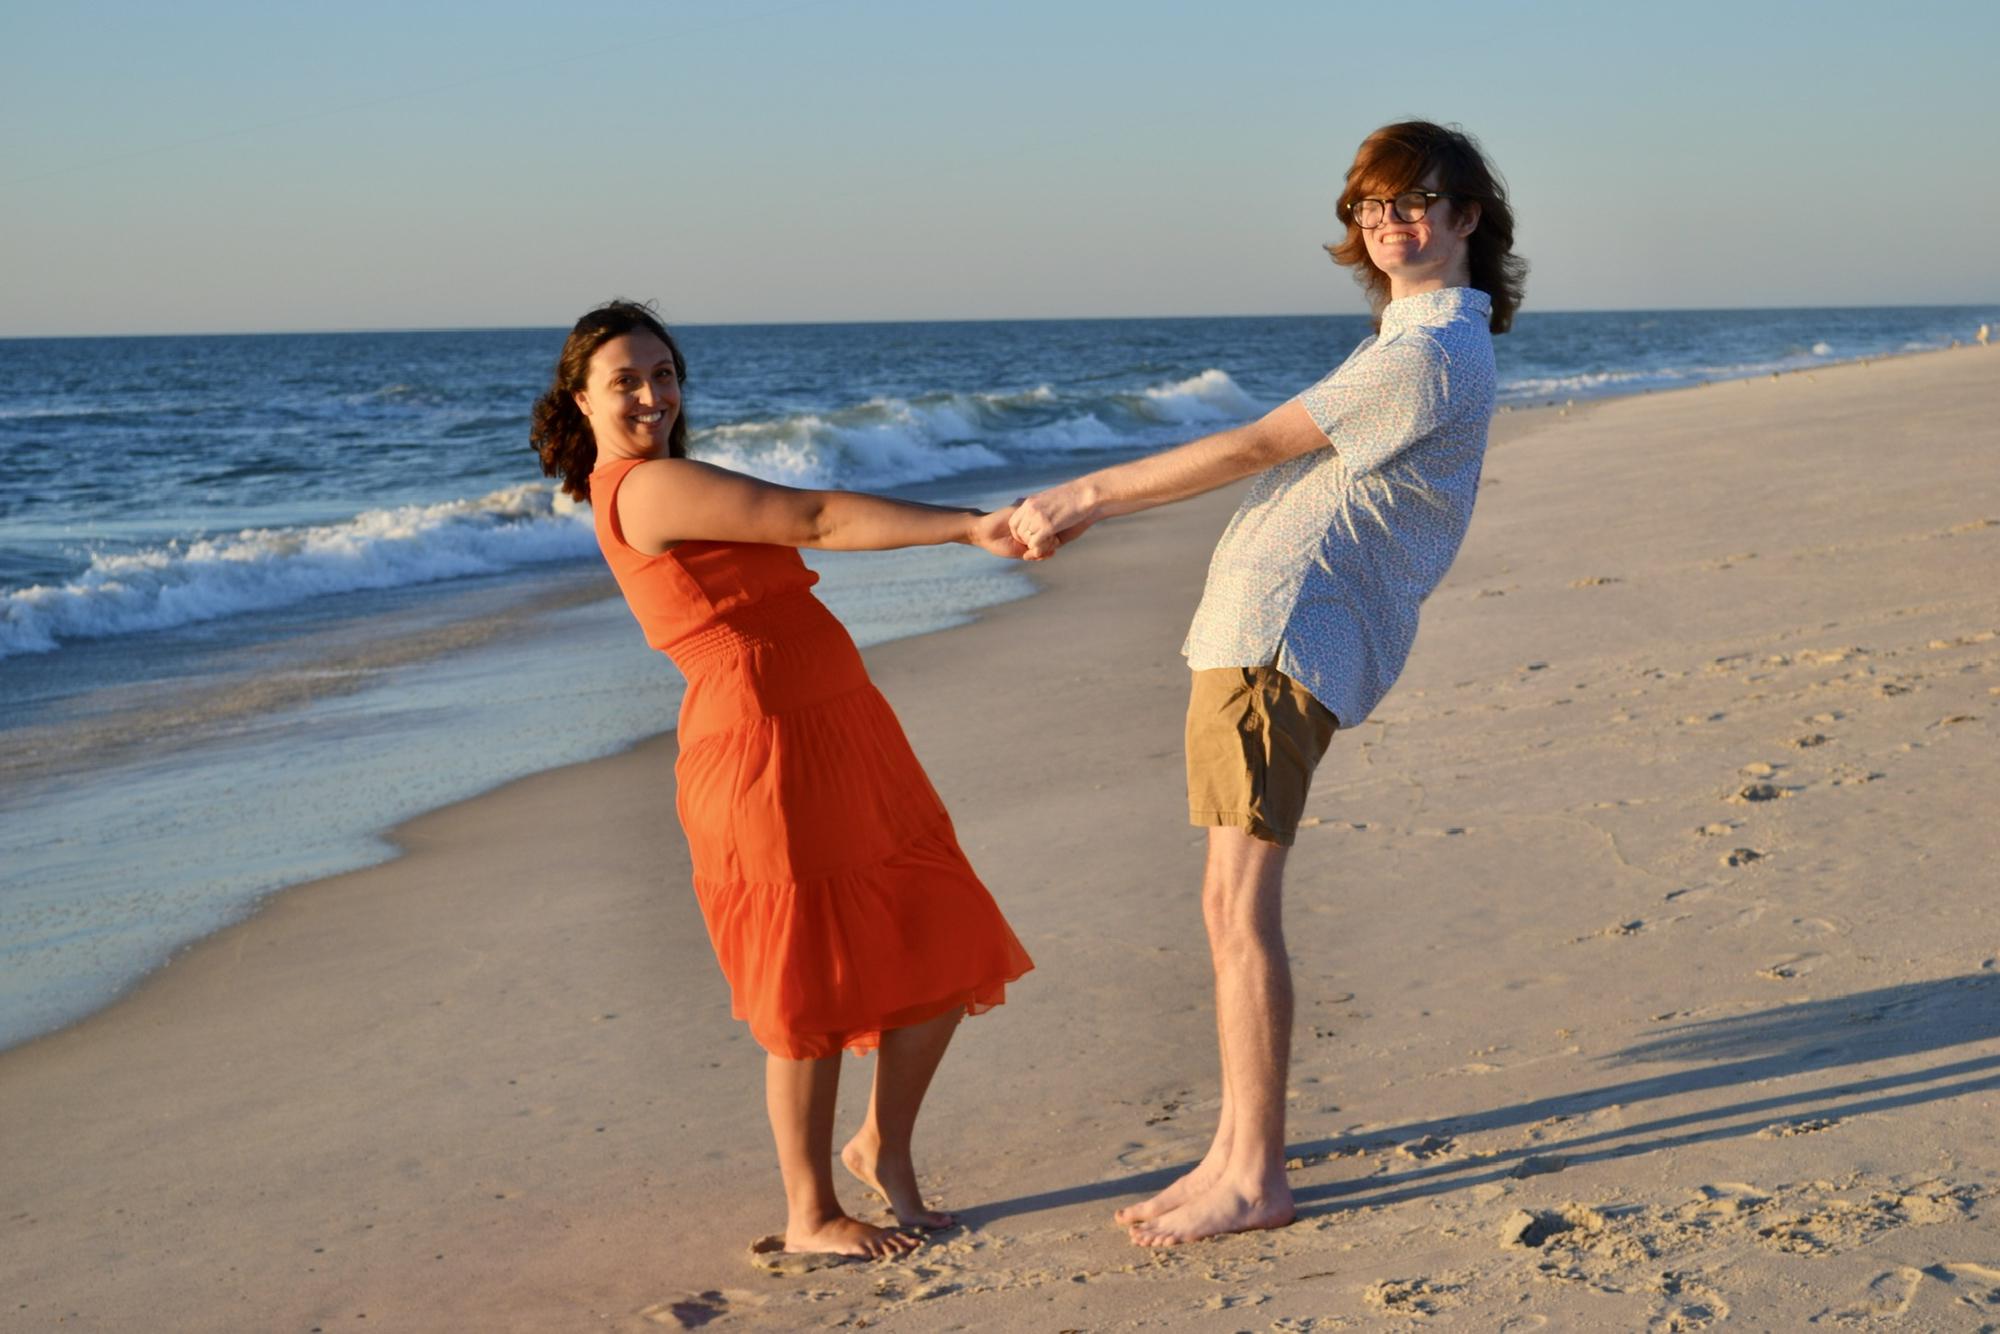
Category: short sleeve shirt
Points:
column 1324, row 565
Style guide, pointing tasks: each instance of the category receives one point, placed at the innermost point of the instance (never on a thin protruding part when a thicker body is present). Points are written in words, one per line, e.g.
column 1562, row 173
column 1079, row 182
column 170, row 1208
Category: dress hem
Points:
column 862, row 1041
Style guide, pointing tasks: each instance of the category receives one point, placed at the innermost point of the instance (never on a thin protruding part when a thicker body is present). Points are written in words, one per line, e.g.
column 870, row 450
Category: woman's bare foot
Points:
column 894, row 1182
column 841, row 1235
column 1223, row 1209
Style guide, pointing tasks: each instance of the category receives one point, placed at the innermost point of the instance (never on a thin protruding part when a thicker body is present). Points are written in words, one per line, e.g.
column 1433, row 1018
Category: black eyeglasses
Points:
column 1409, row 206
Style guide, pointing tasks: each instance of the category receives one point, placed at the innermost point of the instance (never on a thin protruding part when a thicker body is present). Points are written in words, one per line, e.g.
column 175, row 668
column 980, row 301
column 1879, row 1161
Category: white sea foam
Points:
column 1041, row 393
column 894, row 441
column 1668, row 377
column 1594, row 382
column 1086, row 432
column 881, row 443
column 259, row 569
column 1208, row 397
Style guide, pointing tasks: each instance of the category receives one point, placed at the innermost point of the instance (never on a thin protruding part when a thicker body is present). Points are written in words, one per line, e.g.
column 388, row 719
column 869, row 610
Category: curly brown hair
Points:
column 558, row 430
column 1397, row 158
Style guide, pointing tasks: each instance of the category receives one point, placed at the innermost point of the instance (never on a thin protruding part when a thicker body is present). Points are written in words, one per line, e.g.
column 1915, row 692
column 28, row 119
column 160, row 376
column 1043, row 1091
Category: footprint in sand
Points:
column 1729, row 1198
column 1978, row 1285
column 1143, row 1157
column 1529, row 1228
column 1824, row 1224
column 769, row 1254
column 1413, row 1296
column 1689, row 1304
column 697, row 1309
column 1886, row 1297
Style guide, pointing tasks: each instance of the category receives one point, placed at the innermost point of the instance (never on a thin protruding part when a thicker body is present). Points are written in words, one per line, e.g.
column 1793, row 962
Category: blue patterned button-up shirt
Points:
column 1324, row 565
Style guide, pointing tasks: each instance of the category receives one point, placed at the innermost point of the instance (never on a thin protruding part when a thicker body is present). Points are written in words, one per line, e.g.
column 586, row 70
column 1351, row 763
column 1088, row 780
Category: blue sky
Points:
column 208, row 166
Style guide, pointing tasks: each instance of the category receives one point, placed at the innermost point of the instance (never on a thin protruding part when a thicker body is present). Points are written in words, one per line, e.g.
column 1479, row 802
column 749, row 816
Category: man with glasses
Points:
column 1364, row 487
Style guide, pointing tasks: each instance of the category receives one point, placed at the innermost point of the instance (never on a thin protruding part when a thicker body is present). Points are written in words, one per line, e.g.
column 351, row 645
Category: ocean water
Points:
column 261, row 597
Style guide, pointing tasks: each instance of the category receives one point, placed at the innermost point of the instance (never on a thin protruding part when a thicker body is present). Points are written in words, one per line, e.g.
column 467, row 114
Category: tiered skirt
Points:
column 834, row 890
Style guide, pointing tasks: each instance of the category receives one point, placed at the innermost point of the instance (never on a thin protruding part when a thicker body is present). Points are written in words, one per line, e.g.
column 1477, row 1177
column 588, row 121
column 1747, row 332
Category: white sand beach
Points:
column 1646, row 942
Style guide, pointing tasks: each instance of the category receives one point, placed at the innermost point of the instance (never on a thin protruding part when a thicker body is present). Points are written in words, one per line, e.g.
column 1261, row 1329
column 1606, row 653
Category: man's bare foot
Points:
column 1222, row 1210
column 894, row 1182
column 1195, row 1184
column 842, row 1235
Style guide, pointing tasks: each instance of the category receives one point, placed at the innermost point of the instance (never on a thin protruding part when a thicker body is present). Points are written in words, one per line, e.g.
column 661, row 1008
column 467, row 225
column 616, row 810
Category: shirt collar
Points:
column 1436, row 307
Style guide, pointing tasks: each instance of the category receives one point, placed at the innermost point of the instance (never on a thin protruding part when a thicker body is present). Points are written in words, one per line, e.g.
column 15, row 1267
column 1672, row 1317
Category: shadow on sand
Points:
column 1789, row 1044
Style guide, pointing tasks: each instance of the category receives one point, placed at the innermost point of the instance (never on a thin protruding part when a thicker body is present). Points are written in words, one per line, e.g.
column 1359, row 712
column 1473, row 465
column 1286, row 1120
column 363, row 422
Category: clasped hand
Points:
column 1033, row 528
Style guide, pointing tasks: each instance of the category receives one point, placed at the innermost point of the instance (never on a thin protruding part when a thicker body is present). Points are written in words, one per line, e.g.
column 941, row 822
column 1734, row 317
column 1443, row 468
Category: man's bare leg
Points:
column 800, row 1096
column 879, row 1154
column 1209, row 1170
column 1244, row 891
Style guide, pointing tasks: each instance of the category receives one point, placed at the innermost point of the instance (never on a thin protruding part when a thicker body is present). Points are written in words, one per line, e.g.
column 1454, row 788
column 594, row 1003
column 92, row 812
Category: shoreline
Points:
column 504, row 1046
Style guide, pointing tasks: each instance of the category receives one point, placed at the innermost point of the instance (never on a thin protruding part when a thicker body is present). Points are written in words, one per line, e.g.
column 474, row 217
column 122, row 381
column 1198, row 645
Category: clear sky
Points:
column 205, row 166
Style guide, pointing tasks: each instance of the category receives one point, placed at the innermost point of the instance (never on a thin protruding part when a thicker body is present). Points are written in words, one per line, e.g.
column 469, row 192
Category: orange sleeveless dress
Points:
column 832, row 883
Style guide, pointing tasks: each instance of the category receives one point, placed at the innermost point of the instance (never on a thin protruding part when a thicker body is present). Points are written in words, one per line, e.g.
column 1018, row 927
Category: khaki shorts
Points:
column 1254, row 737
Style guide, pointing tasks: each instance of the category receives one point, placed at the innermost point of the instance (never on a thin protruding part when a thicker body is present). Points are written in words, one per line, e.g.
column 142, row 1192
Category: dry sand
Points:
column 1645, row 943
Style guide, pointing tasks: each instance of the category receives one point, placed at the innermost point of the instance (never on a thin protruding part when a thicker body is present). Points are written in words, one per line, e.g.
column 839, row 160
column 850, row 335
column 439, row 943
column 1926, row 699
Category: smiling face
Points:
column 631, row 396
column 1427, row 255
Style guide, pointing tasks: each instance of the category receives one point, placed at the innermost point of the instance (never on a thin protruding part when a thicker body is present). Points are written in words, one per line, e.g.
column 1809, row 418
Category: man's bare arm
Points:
column 1062, row 512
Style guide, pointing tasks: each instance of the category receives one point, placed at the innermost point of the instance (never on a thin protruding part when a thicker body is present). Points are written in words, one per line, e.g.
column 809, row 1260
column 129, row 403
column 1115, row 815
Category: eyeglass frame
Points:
column 1390, row 210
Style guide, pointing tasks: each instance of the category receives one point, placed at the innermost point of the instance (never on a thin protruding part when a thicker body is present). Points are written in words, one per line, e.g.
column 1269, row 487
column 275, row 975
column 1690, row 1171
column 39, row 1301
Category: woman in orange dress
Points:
column 841, row 909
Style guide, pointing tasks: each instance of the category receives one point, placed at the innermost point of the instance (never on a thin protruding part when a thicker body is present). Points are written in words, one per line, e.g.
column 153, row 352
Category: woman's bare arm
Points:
column 664, row 501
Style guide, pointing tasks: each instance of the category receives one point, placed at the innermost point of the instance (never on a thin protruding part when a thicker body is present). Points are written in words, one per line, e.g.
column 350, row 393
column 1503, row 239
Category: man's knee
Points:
column 1244, row 895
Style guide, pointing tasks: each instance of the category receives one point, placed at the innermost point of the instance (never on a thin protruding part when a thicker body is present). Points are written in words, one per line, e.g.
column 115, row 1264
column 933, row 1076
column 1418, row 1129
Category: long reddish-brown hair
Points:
column 1399, row 157
column 558, row 430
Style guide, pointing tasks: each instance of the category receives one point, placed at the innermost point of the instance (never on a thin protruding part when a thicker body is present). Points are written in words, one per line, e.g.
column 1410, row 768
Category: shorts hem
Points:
column 1249, row 824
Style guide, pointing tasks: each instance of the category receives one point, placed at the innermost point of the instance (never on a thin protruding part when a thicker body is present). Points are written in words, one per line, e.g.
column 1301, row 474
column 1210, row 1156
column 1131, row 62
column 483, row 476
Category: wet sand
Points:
column 1645, row 943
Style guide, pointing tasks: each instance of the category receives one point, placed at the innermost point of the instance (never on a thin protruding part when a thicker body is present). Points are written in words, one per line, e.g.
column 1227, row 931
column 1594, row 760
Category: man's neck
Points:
column 1400, row 287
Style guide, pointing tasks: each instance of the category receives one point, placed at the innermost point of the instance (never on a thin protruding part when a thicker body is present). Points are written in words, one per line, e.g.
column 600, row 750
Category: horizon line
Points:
column 961, row 319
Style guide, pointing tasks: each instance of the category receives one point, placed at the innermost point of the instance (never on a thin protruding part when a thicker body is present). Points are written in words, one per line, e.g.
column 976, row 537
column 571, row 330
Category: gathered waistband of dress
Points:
column 743, row 630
